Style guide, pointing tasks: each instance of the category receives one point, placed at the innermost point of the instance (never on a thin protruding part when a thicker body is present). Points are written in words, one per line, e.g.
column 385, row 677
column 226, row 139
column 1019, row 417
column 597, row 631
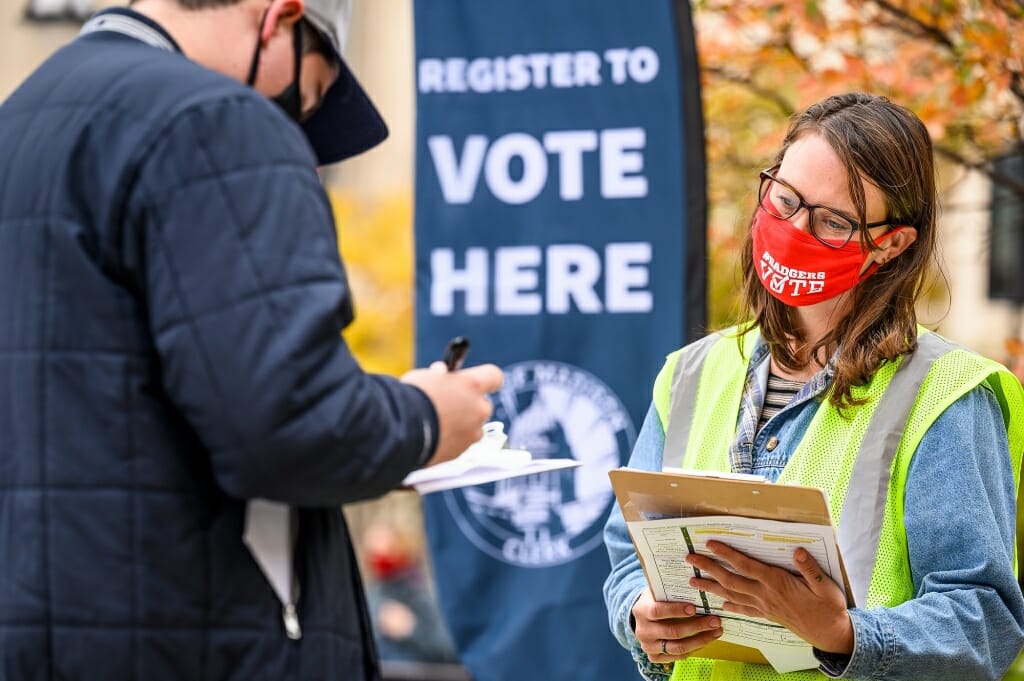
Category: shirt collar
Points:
column 815, row 386
column 133, row 24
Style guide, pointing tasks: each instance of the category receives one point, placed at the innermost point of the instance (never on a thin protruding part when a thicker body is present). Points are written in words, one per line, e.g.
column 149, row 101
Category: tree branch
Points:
column 986, row 167
column 764, row 93
column 787, row 45
column 1014, row 12
column 1017, row 85
column 936, row 34
column 932, row 32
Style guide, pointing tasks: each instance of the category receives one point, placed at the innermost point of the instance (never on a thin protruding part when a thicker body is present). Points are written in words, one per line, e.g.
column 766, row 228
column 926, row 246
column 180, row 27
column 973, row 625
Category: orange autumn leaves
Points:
column 958, row 64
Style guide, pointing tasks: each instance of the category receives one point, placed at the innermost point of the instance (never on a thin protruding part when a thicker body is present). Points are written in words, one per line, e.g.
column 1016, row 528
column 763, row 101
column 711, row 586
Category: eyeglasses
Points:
column 829, row 226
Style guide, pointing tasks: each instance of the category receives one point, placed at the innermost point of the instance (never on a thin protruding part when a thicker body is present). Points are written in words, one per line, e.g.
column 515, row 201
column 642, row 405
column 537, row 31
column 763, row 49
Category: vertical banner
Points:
column 560, row 225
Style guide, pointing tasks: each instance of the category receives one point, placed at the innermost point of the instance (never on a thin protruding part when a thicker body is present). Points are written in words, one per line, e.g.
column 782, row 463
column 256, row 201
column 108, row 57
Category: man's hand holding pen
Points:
column 460, row 397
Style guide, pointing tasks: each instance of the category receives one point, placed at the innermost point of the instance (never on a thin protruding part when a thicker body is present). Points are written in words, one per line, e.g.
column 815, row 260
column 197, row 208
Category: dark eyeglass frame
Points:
column 855, row 225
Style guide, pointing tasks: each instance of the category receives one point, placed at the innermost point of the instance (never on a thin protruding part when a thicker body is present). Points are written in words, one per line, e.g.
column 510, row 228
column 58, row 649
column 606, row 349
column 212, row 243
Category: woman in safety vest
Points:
column 916, row 442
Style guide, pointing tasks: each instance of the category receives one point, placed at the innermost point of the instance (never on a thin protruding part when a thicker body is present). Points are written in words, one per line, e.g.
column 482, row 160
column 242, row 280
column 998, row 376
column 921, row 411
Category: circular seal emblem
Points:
column 553, row 410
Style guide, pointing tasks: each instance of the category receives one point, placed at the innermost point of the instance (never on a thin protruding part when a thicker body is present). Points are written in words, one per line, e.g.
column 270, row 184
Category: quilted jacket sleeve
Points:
column 238, row 264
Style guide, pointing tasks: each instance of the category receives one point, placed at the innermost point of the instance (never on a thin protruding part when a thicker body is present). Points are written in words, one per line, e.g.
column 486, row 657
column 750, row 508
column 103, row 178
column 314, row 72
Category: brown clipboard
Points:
column 680, row 495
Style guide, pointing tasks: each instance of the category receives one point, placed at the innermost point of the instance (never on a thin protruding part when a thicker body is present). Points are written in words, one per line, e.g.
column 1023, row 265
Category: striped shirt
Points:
column 780, row 392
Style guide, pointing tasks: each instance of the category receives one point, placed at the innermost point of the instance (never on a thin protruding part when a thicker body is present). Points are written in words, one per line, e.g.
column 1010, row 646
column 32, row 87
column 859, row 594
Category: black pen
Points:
column 455, row 352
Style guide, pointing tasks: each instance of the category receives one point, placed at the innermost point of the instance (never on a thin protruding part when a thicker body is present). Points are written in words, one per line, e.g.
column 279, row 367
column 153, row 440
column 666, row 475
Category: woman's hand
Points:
column 810, row 605
column 669, row 632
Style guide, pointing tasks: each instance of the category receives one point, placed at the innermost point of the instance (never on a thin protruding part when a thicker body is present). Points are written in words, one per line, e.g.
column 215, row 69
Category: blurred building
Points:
column 72, row 11
column 967, row 315
column 24, row 44
column 380, row 52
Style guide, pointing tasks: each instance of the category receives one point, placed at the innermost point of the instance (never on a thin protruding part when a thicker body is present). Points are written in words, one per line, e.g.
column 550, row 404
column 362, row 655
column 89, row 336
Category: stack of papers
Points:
column 664, row 544
column 672, row 513
column 487, row 460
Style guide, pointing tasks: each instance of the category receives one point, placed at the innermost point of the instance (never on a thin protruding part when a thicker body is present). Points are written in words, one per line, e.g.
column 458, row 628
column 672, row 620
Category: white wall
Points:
column 380, row 53
column 972, row 320
column 23, row 46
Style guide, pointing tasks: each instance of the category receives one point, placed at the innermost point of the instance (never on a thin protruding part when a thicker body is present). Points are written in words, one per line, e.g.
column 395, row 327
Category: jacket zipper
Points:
column 290, row 613
column 291, row 622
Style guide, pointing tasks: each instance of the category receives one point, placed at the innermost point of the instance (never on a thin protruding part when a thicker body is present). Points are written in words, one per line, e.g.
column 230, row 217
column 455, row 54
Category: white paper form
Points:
column 489, row 459
column 460, row 472
column 664, row 544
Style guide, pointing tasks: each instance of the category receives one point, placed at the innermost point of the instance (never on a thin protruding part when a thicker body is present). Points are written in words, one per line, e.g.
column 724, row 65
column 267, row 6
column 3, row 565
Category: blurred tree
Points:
column 1015, row 356
column 959, row 64
column 375, row 239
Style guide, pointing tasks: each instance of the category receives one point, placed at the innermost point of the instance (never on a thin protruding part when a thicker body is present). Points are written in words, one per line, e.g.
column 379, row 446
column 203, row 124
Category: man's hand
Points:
column 460, row 399
column 669, row 632
column 810, row 604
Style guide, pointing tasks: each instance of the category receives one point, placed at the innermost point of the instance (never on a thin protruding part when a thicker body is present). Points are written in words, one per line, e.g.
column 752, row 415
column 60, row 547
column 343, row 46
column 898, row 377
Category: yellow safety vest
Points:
column 861, row 461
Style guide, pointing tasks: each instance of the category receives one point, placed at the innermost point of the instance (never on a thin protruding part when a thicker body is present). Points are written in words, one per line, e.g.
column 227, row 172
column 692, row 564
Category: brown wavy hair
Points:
column 888, row 146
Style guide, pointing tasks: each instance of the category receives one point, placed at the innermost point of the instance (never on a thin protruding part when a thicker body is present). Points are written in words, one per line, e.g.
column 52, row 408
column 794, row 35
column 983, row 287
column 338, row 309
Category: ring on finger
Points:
column 664, row 645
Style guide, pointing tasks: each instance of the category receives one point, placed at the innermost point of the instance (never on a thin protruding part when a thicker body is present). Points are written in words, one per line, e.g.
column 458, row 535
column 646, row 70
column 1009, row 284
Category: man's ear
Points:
column 282, row 15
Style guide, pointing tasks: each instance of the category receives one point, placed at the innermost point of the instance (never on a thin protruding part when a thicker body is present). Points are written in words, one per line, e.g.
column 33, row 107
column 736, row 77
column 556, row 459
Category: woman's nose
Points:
column 801, row 220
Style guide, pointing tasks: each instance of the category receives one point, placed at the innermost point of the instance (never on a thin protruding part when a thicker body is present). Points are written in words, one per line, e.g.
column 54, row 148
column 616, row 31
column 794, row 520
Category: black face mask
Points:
column 291, row 99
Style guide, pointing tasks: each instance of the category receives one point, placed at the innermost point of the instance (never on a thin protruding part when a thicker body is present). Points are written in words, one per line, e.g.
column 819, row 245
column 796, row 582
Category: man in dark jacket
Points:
column 170, row 305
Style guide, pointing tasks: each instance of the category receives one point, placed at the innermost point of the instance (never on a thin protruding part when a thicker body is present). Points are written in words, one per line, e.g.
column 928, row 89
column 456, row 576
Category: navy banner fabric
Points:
column 560, row 226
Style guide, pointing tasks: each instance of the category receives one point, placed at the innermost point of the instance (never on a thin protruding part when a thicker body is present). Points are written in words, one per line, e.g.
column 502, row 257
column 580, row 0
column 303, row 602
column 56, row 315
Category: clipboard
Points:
column 489, row 459
column 642, row 494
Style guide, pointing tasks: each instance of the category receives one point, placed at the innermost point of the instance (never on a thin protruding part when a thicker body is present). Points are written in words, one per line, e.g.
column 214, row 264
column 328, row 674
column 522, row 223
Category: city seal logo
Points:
column 554, row 410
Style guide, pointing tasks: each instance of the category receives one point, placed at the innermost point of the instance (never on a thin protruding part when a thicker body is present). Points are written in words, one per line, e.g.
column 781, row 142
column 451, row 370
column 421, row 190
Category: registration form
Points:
column 663, row 545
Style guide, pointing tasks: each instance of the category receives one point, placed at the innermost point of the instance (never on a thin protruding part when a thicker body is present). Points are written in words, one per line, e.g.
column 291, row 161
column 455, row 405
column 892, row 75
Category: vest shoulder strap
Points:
column 705, row 373
column 663, row 386
column 864, row 498
column 958, row 372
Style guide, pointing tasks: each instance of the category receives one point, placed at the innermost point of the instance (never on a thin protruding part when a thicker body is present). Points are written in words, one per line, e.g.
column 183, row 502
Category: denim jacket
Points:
column 966, row 620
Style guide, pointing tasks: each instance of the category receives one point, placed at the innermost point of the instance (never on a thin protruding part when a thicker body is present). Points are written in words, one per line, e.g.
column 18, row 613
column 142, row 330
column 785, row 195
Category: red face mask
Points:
column 798, row 269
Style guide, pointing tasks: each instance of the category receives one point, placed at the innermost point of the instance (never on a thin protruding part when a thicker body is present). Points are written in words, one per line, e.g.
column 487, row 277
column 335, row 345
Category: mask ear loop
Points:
column 251, row 80
column 873, row 267
column 297, row 83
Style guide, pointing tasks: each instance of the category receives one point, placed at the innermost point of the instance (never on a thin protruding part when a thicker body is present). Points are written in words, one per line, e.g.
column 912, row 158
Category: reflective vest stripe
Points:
column 860, row 524
column 683, row 396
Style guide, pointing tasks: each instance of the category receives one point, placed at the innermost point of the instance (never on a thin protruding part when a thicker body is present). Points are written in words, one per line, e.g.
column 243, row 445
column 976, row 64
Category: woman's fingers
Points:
column 809, row 604
column 670, row 631
column 740, row 562
column 682, row 639
column 719, row 579
column 819, row 582
column 746, row 610
column 648, row 609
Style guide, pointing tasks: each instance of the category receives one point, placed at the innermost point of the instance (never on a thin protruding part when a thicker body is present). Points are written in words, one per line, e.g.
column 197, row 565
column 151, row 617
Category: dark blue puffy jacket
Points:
column 171, row 299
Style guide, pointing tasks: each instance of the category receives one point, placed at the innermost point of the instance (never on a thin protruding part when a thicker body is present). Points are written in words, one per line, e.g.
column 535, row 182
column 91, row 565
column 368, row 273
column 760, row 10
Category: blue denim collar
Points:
column 741, row 453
